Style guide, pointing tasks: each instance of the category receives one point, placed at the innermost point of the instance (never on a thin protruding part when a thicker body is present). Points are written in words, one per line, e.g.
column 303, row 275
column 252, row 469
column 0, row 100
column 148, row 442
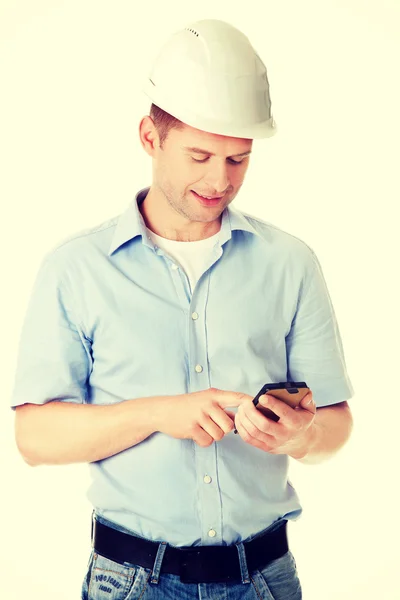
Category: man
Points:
column 143, row 332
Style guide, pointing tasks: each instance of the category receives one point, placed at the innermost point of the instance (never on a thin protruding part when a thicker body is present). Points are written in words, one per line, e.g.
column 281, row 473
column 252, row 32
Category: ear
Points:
column 148, row 135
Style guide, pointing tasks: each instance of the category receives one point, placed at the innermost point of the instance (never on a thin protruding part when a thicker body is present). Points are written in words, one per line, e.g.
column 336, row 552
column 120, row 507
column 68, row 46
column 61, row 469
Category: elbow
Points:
column 25, row 438
column 350, row 424
column 29, row 461
column 27, row 452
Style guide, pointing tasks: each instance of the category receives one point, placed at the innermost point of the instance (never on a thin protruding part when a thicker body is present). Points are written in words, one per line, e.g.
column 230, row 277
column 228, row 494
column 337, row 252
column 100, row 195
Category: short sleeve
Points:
column 54, row 356
column 314, row 345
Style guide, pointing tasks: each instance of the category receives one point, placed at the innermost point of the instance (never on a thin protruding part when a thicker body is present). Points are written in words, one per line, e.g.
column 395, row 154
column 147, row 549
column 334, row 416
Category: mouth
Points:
column 207, row 200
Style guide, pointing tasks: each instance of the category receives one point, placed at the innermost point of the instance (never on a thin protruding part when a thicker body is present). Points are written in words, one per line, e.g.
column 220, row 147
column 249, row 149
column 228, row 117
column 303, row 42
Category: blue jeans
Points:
column 108, row 580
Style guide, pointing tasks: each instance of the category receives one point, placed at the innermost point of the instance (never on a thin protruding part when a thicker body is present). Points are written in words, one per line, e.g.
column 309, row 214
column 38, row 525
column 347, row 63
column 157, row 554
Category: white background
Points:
column 70, row 97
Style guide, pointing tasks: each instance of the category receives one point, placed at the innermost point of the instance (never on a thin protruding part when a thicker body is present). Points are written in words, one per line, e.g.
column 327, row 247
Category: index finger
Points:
column 226, row 399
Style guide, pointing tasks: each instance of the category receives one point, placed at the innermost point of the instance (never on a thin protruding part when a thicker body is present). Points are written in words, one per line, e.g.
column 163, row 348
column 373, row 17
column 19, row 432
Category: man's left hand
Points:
column 291, row 435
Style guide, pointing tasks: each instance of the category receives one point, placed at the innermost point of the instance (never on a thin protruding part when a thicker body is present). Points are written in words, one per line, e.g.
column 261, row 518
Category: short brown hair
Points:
column 163, row 122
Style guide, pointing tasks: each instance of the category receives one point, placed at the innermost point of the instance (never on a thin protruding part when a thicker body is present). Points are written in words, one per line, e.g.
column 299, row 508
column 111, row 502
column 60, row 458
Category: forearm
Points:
column 329, row 432
column 64, row 433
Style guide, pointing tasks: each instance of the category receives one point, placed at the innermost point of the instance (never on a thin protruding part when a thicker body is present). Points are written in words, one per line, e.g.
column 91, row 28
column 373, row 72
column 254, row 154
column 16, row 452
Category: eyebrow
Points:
column 201, row 151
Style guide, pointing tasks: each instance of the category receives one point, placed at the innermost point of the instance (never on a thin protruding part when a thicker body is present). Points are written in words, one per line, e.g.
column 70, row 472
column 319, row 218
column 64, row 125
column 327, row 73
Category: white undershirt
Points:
column 191, row 256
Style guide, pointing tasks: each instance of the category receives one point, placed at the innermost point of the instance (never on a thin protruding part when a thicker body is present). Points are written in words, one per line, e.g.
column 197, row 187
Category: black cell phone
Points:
column 291, row 392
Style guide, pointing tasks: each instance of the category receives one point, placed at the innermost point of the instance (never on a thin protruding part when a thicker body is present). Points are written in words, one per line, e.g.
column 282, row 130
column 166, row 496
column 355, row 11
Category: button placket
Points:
column 209, row 494
column 205, row 458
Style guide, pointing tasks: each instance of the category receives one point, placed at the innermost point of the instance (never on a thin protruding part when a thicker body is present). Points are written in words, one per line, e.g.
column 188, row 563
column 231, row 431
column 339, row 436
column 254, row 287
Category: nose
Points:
column 217, row 178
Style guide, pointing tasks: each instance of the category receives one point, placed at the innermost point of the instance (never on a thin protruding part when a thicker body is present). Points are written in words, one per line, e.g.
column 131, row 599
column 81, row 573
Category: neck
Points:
column 160, row 217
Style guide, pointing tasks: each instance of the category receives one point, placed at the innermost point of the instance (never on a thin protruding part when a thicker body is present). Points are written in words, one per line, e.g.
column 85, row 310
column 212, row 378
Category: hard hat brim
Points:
column 262, row 130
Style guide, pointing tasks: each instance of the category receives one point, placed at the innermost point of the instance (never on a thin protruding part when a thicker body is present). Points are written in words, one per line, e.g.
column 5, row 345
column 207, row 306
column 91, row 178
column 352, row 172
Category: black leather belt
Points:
column 194, row 564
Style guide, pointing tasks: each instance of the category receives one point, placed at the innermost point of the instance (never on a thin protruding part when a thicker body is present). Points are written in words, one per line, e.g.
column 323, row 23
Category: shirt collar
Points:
column 131, row 224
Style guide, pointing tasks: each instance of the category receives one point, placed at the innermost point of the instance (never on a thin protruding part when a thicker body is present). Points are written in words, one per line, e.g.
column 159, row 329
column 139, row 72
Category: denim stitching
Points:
column 255, row 588
column 93, row 569
column 243, row 562
column 145, row 587
column 115, row 572
column 158, row 562
column 91, row 575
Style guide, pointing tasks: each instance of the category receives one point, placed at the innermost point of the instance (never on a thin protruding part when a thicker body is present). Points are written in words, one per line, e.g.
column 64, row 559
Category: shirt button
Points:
column 212, row 533
column 207, row 479
column 198, row 368
column 195, row 316
column 175, row 267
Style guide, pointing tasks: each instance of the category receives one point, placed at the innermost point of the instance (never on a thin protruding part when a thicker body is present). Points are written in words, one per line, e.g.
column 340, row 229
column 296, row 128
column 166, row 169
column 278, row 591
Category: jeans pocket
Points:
column 110, row 580
column 279, row 580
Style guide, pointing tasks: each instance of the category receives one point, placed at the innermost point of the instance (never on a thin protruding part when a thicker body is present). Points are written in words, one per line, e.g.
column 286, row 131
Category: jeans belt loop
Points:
column 243, row 562
column 155, row 576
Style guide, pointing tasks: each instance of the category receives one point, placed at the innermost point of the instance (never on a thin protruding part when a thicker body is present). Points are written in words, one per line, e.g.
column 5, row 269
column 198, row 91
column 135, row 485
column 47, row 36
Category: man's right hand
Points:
column 59, row 432
column 200, row 416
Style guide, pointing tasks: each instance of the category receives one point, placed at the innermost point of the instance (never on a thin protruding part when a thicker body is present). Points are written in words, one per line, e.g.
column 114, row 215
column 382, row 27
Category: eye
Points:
column 199, row 161
column 230, row 160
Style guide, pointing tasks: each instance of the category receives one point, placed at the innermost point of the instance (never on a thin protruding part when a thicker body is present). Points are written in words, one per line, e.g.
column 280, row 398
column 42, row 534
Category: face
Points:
column 194, row 165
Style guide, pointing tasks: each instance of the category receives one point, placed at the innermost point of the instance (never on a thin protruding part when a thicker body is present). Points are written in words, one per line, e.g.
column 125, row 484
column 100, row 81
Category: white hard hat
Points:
column 209, row 76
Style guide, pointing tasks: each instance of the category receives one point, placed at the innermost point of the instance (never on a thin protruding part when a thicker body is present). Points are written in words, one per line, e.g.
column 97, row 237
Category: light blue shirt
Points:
column 112, row 317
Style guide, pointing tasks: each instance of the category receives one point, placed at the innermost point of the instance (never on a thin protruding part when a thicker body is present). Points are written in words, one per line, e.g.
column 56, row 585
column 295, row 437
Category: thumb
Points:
column 308, row 403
